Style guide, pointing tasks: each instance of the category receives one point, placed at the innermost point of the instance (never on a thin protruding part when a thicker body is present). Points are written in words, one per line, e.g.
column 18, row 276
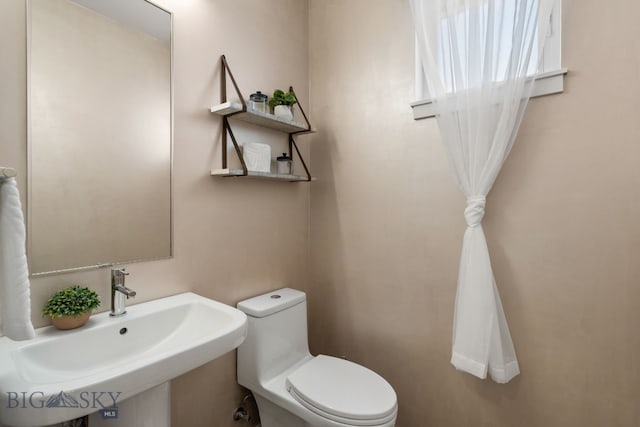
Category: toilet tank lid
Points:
column 272, row 302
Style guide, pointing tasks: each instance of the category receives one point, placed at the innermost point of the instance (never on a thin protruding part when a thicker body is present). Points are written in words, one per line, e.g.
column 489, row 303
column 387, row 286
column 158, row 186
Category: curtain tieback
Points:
column 475, row 210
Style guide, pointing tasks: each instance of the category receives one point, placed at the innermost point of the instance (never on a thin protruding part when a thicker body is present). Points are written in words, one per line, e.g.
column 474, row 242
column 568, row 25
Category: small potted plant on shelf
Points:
column 282, row 103
column 71, row 307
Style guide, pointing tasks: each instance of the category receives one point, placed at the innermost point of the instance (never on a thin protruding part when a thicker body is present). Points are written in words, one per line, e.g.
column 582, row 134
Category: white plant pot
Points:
column 283, row 111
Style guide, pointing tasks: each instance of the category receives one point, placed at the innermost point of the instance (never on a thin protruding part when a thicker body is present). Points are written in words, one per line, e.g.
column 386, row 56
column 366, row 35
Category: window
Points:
column 548, row 81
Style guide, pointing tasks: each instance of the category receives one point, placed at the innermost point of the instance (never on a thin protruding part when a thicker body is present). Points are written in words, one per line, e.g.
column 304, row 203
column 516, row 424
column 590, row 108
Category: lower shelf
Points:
column 259, row 175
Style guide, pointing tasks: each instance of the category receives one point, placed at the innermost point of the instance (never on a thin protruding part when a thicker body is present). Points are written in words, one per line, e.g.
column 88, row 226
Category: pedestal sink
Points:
column 61, row 375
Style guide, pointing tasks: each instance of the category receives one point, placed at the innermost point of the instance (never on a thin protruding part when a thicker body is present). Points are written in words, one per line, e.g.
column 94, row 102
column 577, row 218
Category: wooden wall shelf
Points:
column 238, row 110
column 231, row 173
column 259, row 118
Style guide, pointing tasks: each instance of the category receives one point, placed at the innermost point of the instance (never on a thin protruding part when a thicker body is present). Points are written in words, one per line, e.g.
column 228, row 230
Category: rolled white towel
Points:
column 15, row 297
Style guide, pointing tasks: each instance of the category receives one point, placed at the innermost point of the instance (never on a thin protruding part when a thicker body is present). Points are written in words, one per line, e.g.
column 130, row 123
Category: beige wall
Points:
column 561, row 223
column 233, row 239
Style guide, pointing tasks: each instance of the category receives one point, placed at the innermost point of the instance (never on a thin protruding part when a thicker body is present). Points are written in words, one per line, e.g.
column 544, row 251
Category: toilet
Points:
column 295, row 389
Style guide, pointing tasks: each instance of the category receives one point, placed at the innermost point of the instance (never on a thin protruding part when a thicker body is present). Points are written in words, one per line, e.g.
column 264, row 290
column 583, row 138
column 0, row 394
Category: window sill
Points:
column 546, row 84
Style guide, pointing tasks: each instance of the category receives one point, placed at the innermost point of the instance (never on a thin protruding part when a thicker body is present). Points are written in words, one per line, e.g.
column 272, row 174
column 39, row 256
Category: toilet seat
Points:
column 343, row 391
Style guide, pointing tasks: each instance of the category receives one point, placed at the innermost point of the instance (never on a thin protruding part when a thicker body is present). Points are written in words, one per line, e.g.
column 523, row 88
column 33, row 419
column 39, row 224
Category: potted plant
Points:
column 281, row 102
column 71, row 307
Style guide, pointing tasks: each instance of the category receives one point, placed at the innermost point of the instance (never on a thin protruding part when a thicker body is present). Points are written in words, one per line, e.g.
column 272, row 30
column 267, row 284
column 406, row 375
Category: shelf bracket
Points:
column 301, row 110
column 292, row 143
column 223, row 83
column 226, row 128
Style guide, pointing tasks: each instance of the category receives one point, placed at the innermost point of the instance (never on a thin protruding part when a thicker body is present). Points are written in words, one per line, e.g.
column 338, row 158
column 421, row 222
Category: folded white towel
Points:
column 257, row 156
column 15, row 297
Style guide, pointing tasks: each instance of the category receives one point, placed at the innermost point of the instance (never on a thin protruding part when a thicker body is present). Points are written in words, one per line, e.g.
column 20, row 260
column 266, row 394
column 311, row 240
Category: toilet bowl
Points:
column 294, row 388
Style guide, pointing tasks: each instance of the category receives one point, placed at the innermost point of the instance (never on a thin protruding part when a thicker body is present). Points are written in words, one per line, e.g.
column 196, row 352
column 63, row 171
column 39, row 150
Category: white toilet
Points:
column 294, row 388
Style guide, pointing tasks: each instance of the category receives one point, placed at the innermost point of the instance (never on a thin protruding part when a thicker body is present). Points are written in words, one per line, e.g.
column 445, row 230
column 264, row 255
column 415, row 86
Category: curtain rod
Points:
column 7, row 172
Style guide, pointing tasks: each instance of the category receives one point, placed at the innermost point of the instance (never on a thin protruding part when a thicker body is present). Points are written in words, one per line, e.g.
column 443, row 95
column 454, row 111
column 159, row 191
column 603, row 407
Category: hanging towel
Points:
column 15, row 298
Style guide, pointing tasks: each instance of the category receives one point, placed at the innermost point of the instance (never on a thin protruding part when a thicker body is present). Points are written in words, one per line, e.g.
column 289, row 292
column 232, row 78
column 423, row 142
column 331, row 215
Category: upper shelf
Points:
column 259, row 118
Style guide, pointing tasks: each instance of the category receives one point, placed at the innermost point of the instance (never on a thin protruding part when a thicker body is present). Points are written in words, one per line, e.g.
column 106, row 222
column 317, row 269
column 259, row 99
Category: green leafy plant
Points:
column 72, row 301
column 281, row 98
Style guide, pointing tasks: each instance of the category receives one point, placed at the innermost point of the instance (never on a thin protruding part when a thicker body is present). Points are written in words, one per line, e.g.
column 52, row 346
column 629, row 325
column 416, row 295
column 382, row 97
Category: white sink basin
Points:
column 118, row 357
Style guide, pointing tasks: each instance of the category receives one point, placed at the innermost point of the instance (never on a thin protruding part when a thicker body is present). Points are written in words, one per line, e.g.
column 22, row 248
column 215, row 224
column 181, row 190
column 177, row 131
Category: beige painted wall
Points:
column 561, row 223
column 233, row 239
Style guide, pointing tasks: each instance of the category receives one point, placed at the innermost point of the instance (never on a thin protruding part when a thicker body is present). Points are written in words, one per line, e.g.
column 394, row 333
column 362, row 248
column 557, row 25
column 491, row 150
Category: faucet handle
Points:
column 117, row 270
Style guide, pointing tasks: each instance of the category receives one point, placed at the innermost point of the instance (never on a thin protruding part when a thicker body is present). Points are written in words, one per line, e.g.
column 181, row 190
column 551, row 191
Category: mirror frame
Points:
column 29, row 146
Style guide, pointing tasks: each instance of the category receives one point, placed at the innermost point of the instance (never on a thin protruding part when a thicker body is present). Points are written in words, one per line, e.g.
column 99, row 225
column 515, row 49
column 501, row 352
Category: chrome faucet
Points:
column 119, row 292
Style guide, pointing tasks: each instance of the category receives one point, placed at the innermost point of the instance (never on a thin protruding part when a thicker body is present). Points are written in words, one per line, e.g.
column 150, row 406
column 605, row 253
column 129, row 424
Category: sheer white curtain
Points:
column 479, row 57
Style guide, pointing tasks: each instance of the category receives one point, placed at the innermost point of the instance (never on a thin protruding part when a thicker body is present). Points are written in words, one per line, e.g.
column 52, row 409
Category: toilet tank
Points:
column 277, row 335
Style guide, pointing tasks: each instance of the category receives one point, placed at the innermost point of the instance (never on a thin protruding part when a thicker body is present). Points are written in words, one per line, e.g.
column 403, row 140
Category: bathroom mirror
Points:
column 100, row 133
